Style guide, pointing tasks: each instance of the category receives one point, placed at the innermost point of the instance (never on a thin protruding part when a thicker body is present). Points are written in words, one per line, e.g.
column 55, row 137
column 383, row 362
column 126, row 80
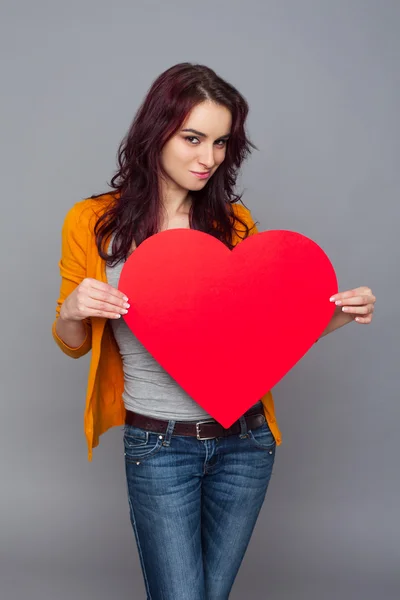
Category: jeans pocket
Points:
column 140, row 444
column 262, row 437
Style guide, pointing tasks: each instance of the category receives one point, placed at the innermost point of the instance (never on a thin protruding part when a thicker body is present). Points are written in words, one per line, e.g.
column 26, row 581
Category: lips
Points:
column 201, row 175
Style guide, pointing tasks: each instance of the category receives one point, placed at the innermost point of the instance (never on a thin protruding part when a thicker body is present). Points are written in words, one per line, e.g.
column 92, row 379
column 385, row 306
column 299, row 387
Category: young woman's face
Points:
column 199, row 147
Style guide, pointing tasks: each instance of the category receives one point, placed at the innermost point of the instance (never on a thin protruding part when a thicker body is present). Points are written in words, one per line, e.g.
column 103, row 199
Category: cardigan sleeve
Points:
column 72, row 265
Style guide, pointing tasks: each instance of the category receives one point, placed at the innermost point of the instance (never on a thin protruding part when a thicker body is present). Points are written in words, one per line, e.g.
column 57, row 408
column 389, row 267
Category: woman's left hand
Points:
column 358, row 303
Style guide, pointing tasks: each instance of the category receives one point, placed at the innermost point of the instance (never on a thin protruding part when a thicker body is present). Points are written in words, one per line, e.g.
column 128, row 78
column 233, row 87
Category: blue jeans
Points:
column 193, row 507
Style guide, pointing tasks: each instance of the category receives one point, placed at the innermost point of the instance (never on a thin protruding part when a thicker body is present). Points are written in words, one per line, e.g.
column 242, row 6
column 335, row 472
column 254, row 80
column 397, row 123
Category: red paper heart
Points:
column 228, row 325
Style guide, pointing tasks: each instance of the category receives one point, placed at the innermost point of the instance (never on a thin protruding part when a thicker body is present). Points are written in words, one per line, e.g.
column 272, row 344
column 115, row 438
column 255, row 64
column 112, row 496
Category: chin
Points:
column 199, row 186
column 199, row 183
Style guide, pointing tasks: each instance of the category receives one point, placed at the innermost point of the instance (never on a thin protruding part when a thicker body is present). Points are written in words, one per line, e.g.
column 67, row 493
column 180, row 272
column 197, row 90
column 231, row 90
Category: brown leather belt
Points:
column 203, row 430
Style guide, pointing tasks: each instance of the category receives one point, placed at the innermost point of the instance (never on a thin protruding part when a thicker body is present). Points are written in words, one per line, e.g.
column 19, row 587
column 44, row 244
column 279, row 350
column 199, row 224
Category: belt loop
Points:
column 243, row 427
column 169, row 432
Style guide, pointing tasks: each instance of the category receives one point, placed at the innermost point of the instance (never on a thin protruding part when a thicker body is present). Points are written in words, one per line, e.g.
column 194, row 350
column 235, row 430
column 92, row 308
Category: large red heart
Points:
column 228, row 325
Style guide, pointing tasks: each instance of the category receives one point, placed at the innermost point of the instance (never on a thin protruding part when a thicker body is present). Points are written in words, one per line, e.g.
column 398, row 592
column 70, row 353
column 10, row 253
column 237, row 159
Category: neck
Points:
column 175, row 200
column 175, row 205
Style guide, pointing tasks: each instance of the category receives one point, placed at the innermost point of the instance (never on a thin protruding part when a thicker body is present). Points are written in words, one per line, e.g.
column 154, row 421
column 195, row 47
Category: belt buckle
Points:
column 198, row 432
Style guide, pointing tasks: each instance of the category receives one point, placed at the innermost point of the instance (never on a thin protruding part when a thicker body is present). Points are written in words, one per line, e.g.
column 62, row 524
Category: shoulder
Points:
column 82, row 216
column 244, row 215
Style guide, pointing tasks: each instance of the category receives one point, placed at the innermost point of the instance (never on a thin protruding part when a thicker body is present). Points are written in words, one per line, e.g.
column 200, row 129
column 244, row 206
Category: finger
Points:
column 105, row 307
column 355, row 300
column 107, row 298
column 106, row 288
column 359, row 310
column 365, row 290
column 106, row 315
column 364, row 320
column 360, row 291
column 87, row 309
column 343, row 295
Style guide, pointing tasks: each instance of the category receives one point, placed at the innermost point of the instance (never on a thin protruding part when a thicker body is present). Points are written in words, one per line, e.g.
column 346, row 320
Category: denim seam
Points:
column 262, row 446
column 139, row 548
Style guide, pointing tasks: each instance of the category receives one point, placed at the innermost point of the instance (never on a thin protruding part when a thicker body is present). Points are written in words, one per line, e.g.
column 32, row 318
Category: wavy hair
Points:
column 134, row 213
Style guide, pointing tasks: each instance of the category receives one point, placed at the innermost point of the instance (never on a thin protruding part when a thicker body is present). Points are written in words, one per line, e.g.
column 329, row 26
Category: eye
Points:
column 221, row 143
column 190, row 139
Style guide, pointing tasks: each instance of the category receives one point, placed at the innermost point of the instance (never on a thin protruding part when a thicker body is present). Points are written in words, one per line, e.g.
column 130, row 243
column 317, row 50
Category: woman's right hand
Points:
column 93, row 298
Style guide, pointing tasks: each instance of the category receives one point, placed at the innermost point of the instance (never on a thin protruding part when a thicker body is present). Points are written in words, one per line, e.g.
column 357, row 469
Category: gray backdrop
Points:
column 322, row 80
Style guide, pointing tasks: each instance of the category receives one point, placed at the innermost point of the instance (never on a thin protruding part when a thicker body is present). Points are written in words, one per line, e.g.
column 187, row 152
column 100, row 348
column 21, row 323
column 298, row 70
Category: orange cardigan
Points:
column 80, row 259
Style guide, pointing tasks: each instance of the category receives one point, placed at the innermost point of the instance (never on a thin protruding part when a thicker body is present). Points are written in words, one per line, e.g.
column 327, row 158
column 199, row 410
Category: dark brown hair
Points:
column 135, row 213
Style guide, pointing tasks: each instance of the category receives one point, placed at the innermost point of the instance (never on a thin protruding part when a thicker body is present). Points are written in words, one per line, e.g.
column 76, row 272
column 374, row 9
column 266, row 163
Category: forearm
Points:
column 338, row 320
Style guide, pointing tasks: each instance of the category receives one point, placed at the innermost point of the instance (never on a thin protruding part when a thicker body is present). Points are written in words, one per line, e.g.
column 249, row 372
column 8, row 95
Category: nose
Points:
column 206, row 157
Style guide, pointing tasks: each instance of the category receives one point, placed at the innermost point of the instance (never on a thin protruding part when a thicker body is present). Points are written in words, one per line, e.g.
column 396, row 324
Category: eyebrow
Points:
column 223, row 137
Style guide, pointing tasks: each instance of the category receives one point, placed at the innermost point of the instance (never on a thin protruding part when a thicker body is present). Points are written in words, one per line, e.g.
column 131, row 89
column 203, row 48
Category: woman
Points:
column 195, row 489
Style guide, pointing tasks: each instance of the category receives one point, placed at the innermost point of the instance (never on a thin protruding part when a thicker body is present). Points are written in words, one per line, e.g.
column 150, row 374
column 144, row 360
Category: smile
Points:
column 201, row 175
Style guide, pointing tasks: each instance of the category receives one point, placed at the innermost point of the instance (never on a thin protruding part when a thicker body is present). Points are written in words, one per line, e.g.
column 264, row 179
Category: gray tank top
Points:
column 148, row 388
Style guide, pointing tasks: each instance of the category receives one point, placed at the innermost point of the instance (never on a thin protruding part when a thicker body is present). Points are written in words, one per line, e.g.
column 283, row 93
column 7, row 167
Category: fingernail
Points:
column 126, row 305
column 126, row 298
column 332, row 299
column 338, row 302
column 124, row 311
